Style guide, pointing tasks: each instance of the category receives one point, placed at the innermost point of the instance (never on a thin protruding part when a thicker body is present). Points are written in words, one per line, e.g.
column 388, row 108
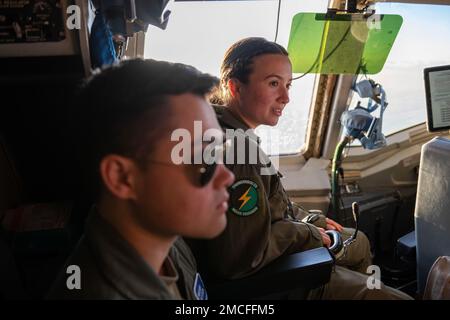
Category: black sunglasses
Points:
column 207, row 168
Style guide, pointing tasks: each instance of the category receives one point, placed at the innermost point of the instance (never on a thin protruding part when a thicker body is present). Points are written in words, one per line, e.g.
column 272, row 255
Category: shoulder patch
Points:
column 199, row 288
column 244, row 198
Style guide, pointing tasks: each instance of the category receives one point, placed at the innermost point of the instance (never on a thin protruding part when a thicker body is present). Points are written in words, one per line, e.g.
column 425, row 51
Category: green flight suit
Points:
column 262, row 223
column 358, row 256
column 346, row 284
column 268, row 225
column 112, row 269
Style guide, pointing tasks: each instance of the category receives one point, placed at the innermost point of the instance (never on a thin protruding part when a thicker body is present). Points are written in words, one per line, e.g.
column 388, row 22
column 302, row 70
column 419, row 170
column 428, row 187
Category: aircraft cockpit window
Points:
column 421, row 43
column 199, row 33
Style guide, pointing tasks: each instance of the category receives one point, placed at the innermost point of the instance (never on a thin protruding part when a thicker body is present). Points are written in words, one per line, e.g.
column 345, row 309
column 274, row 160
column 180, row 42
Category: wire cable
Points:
column 327, row 57
column 278, row 21
column 332, row 51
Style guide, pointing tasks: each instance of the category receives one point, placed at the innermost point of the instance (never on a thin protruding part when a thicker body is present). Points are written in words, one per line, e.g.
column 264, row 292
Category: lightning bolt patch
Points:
column 244, row 195
column 245, row 198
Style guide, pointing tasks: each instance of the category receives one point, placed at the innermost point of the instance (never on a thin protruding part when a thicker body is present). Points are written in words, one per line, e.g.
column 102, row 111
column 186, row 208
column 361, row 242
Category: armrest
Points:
column 406, row 246
column 304, row 270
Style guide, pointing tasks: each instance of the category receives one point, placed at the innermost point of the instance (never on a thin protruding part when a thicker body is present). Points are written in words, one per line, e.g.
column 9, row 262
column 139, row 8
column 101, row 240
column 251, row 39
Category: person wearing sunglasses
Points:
column 263, row 224
column 144, row 201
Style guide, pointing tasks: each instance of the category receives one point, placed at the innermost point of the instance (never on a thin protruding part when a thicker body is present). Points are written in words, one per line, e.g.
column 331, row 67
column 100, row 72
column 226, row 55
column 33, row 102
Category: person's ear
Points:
column 235, row 87
column 119, row 175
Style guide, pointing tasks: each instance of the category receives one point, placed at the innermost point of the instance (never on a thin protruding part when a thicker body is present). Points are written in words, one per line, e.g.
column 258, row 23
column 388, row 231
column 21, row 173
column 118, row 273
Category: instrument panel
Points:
column 31, row 21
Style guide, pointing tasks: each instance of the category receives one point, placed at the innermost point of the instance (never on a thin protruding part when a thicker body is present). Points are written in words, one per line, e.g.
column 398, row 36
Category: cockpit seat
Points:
column 10, row 182
column 438, row 282
column 295, row 274
column 35, row 238
column 406, row 247
column 11, row 286
column 432, row 214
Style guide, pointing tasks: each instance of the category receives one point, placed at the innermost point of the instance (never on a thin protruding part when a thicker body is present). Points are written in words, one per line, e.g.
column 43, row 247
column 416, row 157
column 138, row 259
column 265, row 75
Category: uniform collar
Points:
column 230, row 121
column 121, row 264
column 171, row 278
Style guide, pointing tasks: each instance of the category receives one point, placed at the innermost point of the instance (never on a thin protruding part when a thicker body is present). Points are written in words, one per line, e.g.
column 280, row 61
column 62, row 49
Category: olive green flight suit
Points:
column 346, row 284
column 262, row 223
column 190, row 283
column 358, row 256
column 268, row 225
column 112, row 269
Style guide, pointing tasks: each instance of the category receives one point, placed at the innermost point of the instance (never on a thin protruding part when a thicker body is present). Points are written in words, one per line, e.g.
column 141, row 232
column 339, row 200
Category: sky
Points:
column 199, row 33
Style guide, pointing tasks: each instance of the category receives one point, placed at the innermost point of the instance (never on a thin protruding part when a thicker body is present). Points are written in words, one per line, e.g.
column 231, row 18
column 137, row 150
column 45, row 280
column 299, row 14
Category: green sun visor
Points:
column 342, row 43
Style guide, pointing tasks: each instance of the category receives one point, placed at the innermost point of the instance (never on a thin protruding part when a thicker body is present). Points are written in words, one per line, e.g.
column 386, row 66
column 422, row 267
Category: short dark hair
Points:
column 238, row 60
column 124, row 109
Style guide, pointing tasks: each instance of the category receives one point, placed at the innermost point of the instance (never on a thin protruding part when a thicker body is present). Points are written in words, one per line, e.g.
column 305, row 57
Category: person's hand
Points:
column 325, row 238
column 333, row 225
